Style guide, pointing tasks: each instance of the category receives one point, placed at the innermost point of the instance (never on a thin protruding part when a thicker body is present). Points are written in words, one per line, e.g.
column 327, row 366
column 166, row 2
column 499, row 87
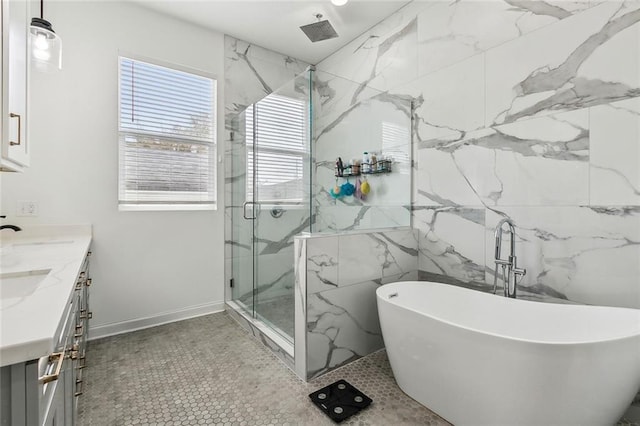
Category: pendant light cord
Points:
column 41, row 9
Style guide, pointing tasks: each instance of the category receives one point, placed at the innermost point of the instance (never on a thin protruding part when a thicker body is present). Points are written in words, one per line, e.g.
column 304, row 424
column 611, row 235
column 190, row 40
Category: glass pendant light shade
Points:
column 45, row 46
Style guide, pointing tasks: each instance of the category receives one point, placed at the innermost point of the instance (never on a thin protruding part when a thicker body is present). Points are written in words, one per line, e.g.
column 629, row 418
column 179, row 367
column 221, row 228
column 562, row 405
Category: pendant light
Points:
column 45, row 44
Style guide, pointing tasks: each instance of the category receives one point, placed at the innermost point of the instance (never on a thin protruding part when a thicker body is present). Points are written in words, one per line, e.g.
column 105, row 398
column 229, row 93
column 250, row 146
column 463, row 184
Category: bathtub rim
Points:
column 380, row 297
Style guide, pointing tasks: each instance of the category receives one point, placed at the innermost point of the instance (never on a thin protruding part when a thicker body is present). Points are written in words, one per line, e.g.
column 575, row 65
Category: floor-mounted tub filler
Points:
column 478, row 359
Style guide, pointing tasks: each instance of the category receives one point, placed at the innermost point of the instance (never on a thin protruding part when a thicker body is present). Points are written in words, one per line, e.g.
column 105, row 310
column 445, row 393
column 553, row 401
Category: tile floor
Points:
column 208, row 370
column 280, row 313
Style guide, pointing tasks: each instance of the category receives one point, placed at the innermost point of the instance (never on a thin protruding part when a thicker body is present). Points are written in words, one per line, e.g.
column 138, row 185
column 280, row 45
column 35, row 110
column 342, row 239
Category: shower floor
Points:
column 278, row 312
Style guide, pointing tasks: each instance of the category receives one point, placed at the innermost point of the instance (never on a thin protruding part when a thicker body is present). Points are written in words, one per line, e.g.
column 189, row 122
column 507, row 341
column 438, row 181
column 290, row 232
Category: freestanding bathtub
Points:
column 479, row 359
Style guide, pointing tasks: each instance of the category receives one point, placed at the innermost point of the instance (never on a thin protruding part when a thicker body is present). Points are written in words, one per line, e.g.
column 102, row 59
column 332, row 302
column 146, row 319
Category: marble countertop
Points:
column 31, row 309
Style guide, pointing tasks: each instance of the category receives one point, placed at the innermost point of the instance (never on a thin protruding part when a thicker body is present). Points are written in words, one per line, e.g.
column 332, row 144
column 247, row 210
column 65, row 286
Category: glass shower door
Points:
column 279, row 159
column 270, row 202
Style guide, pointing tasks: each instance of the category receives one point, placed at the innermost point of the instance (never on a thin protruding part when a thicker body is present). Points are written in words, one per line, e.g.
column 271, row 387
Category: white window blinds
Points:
column 280, row 149
column 167, row 138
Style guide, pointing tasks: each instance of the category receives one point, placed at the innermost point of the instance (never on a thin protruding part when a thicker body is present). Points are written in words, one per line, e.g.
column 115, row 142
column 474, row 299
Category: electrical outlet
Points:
column 27, row 208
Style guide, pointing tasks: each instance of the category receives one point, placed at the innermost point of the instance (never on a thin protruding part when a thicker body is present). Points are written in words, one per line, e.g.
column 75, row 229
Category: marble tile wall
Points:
column 336, row 280
column 348, row 121
column 522, row 109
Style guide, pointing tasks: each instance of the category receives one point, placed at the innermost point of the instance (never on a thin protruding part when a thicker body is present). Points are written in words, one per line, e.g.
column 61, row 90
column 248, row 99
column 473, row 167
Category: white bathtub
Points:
column 479, row 359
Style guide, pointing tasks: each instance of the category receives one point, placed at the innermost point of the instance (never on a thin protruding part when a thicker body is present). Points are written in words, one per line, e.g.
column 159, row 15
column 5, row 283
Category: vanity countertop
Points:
column 38, row 268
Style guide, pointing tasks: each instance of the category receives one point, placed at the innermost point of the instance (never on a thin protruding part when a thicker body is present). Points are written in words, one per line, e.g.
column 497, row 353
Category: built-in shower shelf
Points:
column 379, row 167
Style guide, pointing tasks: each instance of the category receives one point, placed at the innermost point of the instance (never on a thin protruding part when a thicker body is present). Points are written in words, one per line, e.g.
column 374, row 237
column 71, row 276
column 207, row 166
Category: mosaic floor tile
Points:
column 209, row 371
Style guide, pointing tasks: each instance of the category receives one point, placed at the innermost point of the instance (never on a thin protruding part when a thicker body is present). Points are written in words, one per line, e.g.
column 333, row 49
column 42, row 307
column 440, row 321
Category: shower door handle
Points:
column 244, row 210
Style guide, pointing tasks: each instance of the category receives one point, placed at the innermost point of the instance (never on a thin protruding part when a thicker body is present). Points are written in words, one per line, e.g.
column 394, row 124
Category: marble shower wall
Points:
column 349, row 120
column 251, row 74
column 522, row 109
column 336, row 280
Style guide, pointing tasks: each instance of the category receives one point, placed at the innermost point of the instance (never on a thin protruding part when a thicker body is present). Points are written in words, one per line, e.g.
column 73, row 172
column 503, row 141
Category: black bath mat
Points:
column 340, row 400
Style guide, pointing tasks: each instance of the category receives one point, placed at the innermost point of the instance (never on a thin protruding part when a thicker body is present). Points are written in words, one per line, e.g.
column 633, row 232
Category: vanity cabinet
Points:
column 46, row 391
column 15, row 72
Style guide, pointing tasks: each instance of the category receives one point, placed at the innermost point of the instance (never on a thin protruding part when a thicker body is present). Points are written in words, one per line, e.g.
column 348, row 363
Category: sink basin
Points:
column 20, row 284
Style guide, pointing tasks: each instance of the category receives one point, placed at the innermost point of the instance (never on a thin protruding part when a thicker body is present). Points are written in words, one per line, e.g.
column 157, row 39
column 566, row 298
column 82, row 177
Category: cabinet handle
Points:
column 74, row 351
column 59, row 357
column 81, row 383
column 12, row 115
column 82, row 363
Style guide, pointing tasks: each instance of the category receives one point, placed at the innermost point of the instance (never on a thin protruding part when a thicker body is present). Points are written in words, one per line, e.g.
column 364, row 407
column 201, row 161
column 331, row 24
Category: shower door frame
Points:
column 251, row 209
column 247, row 315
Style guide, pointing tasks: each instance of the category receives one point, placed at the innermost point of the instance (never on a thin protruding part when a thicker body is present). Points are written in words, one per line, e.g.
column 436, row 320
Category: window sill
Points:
column 165, row 207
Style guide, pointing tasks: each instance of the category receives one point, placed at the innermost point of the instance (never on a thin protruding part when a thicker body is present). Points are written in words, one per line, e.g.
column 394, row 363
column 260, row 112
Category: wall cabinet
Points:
column 15, row 74
column 46, row 391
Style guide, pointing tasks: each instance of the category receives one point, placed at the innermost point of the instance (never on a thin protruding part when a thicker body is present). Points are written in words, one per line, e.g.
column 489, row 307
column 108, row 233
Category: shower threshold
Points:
column 281, row 346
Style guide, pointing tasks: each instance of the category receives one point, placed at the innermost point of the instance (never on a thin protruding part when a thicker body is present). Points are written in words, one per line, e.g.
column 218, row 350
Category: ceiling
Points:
column 274, row 24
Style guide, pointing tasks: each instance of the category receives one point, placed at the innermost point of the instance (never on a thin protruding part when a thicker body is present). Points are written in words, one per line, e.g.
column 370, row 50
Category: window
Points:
column 395, row 140
column 167, row 138
column 279, row 126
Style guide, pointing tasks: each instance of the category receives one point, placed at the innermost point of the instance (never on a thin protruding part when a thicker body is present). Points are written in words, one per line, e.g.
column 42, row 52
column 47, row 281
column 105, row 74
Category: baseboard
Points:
column 164, row 318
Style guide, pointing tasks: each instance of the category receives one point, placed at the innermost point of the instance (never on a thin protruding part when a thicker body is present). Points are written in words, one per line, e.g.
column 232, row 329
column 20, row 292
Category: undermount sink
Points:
column 20, row 284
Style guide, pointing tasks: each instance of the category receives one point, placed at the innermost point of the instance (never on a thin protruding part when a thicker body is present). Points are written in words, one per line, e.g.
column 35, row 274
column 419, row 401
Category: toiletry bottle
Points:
column 365, row 162
column 374, row 162
column 355, row 167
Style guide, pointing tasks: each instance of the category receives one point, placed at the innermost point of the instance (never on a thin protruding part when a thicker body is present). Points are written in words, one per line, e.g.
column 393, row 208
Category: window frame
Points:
column 213, row 144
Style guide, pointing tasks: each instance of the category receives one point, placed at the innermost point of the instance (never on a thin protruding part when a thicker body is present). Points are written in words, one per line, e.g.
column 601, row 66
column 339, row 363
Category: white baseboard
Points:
column 112, row 329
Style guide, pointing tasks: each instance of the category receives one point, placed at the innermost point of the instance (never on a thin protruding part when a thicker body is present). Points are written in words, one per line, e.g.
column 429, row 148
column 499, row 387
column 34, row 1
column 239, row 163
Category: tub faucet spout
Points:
column 510, row 270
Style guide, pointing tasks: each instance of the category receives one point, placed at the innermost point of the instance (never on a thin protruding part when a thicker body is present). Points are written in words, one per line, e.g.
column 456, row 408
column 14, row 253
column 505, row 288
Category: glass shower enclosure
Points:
column 282, row 153
column 270, row 202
